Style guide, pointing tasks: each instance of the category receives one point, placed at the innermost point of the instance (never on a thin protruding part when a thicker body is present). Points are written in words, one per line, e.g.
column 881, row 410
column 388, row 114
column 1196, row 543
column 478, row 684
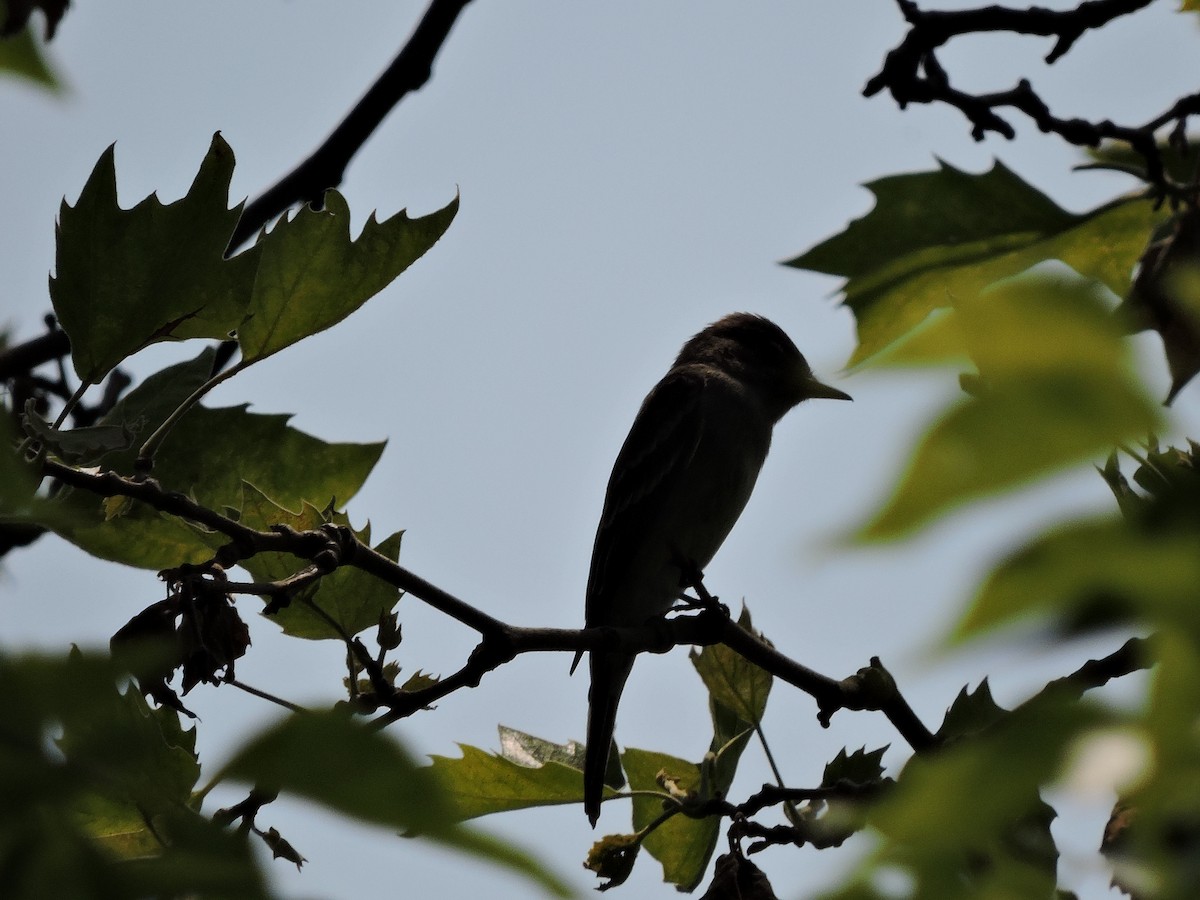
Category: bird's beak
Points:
column 815, row 390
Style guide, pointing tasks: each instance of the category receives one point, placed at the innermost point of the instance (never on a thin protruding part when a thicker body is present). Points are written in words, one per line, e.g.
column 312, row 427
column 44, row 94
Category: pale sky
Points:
column 629, row 172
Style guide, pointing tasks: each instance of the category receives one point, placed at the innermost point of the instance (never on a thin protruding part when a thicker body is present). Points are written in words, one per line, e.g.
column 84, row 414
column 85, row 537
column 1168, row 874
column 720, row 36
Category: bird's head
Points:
column 757, row 351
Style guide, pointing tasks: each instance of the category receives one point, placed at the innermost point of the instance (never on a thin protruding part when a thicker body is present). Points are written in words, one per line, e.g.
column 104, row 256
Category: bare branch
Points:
column 911, row 73
column 326, row 167
column 20, row 359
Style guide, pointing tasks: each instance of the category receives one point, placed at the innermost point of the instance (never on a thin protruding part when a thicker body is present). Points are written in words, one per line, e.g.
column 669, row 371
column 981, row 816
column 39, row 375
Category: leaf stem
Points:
column 286, row 704
column 762, row 739
column 145, row 457
column 71, row 403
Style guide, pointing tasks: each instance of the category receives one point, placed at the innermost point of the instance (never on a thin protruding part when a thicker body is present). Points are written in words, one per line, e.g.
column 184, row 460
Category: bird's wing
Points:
column 660, row 445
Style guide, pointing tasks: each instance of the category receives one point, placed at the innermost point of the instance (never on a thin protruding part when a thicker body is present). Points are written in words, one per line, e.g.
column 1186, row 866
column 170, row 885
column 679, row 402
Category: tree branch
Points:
column 1134, row 655
column 911, row 73
column 326, row 167
column 22, row 358
column 331, row 547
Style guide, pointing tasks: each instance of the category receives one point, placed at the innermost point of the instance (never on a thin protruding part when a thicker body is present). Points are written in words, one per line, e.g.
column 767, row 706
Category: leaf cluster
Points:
column 981, row 276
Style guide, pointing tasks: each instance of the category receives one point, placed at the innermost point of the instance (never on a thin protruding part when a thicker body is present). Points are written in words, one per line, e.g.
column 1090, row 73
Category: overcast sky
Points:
column 629, row 172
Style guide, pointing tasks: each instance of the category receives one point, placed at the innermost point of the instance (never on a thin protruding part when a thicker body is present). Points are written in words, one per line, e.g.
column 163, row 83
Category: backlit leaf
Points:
column 1083, row 569
column 347, row 767
column 1054, row 389
column 682, row 845
column 128, row 278
column 480, row 783
column 937, row 238
column 311, row 275
column 348, row 596
column 732, row 680
column 209, row 454
column 24, row 56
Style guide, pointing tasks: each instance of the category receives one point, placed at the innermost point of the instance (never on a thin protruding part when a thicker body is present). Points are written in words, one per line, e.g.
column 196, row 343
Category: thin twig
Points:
column 279, row 701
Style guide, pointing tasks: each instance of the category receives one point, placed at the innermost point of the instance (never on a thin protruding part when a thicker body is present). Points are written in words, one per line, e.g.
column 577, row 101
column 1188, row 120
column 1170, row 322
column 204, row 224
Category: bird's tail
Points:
column 609, row 672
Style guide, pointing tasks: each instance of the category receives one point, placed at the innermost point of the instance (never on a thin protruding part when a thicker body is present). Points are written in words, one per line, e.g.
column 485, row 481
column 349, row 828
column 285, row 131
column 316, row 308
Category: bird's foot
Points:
column 693, row 578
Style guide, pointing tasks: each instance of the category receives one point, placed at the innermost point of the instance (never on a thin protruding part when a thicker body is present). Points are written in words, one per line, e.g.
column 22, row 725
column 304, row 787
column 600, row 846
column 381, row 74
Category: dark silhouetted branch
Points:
column 911, row 73
column 326, row 167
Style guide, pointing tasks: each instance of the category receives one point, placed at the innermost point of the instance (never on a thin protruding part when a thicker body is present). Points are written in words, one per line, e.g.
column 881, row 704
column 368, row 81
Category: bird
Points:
column 679, row 483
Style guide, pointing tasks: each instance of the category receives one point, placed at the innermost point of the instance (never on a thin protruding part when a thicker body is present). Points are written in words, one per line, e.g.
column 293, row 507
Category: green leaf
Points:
column 129, row 278
column 208, row 455
column 150, row 758
column 162, row 782
column 481, row 783
column 731, row 734
column 69, row 804
column 1055, row 388
column 936, row 238
column 1165, row 295
column 334, row 761
column 682, row 845
column 419, row 681
column 859, row 767
column 737, row 699
column 22, row 56
column 735, row 683
column 835, row 820
column 1070, row 571
column 345, row 766
column 976, row 801
column 350, row 597
column 148, row 405
column 311, row 275
column 203, row 860
column 212, row 451
column 119, row 827
column 1160, row 833
column 141, row 537
column 970, row 713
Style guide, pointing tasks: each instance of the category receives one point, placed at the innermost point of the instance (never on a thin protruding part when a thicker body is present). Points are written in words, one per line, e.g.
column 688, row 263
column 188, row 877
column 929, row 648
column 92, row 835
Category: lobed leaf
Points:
column 970, row 713
column 353, row 599
column 209, row 454
column 859, row 767
column 311, row 274
column 937, row 238
column 128, row 278
column 157, row 272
